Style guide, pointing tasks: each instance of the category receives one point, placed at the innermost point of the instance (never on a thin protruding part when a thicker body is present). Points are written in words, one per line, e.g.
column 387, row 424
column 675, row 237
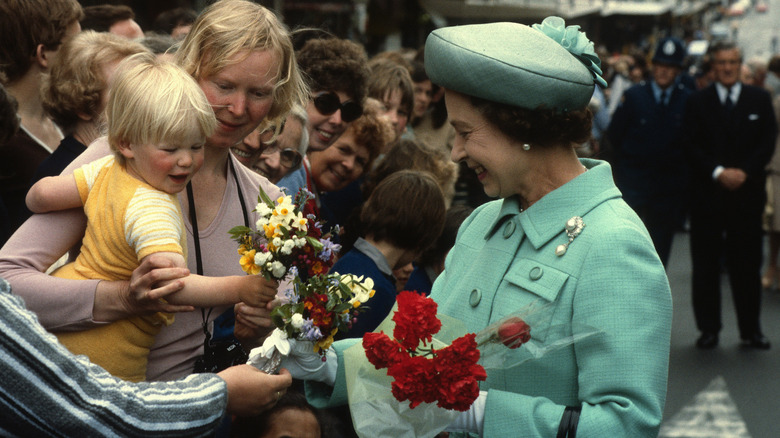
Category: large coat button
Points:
column 509, row 228
column 475, row 297
column 536, row 273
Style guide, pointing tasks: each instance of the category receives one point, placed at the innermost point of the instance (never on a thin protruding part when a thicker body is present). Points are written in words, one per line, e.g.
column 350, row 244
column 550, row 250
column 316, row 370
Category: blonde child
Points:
column 158, row 120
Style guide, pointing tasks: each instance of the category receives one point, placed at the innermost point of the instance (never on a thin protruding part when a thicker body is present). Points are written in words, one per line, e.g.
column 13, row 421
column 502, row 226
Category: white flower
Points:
column 361, row 289
column 300, row 242
column 277, row 242
column 263, row 210
column 288, row 247
column 277, row 269
column 297, row 320
column 260, row 222
column 261, row 258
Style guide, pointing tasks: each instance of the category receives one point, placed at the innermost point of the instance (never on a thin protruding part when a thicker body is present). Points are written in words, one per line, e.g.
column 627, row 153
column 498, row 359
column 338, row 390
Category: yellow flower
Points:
column 325, row 343
column 242, row 249
column 247, row 262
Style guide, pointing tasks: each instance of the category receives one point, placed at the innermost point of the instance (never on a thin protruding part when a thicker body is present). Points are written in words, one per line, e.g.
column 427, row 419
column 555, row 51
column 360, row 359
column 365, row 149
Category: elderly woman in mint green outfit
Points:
column 560, row 233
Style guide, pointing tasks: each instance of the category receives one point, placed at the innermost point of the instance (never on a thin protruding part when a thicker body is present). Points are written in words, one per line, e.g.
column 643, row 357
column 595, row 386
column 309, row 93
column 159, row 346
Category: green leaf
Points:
column 239, row 232
column 265, row 198
column 315, row 243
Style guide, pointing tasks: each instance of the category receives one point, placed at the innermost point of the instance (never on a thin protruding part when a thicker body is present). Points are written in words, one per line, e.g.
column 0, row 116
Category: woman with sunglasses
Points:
column 285, row 153
column 243, row 59
column 337, row 70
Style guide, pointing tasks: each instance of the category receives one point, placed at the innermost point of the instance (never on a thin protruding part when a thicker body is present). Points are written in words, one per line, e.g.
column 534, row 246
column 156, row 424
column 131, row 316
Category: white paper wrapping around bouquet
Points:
column 375, row 411
column 276, row 341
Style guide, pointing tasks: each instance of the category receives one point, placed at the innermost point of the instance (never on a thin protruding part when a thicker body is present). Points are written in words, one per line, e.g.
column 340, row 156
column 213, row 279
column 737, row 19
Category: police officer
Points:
column 649, row 162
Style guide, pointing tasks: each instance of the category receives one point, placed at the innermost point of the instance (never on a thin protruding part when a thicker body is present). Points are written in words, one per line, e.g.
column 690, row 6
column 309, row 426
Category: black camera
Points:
column 221, row 354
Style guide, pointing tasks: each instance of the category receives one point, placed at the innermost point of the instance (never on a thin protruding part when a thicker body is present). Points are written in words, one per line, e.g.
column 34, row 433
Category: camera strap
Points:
column 196, row 236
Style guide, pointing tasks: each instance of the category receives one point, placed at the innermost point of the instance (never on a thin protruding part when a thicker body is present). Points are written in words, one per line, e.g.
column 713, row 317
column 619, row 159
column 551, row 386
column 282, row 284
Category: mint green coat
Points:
column 609, row 279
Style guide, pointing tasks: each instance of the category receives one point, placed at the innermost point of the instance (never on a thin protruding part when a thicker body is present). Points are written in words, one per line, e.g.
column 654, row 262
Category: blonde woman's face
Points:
column 241, row 95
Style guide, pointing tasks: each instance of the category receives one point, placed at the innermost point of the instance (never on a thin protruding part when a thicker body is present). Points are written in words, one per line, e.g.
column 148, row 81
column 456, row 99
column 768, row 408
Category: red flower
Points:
column 449, row 377
column 514, row 332
column 415, row 320
column 458, row 372
column 414, row 380
column 382, row 351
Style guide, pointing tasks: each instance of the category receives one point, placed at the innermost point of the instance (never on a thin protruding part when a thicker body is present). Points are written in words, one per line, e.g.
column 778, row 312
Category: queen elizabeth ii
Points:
column 559, row 233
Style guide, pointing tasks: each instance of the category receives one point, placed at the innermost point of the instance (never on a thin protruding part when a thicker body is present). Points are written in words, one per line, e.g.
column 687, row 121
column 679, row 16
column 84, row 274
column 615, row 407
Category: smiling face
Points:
column 325, row 129
column 269, row 163
column 166, row 167
column 241, row 95
column 501, row 164
column 336, row 167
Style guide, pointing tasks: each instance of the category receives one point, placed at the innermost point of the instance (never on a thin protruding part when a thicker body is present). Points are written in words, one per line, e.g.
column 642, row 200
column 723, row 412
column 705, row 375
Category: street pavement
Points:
column 728, row 392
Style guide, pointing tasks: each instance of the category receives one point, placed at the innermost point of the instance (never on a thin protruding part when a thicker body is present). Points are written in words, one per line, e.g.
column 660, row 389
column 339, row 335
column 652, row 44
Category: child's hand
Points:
column 259, row 291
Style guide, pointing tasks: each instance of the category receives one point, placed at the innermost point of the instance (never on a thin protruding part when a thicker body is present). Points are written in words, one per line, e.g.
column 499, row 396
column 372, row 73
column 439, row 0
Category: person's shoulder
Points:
column 753, row 92
column 293, row 181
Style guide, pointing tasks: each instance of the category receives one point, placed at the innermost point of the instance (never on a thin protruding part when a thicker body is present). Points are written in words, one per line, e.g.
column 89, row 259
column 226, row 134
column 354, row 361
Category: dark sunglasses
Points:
column 328, row 103
column 290, row 158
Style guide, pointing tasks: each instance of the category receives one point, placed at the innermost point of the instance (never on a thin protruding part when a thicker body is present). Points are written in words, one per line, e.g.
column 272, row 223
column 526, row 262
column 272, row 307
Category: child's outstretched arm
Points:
column 202, row 291
column 54, row 193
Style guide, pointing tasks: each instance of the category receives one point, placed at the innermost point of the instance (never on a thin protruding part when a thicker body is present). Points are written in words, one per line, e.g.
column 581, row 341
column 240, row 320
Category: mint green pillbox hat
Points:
column 547, row 64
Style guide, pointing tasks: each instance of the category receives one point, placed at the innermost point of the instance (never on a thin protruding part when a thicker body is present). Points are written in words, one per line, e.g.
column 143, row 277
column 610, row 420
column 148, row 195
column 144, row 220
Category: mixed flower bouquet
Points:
column 285, row 241
column 416, row 382
column 286, row 245
column 313, row 311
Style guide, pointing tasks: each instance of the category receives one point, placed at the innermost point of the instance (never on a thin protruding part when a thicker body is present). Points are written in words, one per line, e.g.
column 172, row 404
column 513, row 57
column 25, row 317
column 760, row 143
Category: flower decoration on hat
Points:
column 576, row 42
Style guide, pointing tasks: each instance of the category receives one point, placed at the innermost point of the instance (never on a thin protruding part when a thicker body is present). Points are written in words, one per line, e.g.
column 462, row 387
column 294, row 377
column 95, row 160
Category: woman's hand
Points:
column 252, row 324
column 154, row 278
column 251, row 391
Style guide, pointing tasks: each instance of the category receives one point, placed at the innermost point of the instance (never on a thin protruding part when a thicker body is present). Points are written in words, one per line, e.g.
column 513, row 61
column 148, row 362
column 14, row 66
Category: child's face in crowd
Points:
column 423, row 93
column 324, row 130
column 166, row 167
column 293, row 423
column 393, row 111
column 336, row 167
column 241, row 95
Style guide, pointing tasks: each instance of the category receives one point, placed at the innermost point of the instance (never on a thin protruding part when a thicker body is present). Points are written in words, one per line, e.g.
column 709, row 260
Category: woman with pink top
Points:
column 242, row 58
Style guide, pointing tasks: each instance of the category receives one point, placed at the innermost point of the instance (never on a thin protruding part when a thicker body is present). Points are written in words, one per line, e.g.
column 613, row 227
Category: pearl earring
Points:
column 526, row 147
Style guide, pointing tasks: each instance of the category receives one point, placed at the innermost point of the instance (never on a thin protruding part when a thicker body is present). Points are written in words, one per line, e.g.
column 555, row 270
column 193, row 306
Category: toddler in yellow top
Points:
column 158, row 120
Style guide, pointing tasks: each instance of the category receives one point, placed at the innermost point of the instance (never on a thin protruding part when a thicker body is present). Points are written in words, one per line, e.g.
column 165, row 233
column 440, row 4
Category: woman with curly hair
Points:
column 337, row 73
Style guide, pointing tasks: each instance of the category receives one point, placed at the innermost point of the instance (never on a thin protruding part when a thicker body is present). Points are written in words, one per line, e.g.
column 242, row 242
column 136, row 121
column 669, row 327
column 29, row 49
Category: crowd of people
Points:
column 490, row 169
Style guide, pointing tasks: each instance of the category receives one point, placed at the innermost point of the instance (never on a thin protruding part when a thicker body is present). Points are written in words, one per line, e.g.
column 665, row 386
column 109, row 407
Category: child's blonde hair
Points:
column 152, row 101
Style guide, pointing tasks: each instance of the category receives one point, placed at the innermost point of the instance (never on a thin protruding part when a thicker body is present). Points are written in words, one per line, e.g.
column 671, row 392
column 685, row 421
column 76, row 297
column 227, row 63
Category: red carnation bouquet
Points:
column 432, row 366
column 422, row 373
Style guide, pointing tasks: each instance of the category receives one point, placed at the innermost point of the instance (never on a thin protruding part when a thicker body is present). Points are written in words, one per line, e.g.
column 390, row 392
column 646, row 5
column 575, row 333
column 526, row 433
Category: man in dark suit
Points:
column 649, row 160
column 730, row 136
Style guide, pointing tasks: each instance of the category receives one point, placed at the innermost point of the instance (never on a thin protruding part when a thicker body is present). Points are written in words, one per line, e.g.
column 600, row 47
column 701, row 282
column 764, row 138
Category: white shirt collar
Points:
column 733, row 92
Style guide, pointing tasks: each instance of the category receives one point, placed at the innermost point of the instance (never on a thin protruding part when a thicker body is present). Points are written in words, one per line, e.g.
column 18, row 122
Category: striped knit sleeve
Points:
column 87, row 174
column 48, row 392
column 153, row 223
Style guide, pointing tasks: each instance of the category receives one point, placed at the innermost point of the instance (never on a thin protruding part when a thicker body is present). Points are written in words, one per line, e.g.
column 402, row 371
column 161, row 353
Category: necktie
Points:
column 728, row 104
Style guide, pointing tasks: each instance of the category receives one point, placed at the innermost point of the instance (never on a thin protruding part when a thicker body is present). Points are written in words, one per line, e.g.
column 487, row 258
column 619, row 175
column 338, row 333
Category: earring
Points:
column 526, row 147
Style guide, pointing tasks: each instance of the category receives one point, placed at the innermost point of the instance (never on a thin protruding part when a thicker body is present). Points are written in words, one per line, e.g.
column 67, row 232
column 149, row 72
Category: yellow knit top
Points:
column 127, row 220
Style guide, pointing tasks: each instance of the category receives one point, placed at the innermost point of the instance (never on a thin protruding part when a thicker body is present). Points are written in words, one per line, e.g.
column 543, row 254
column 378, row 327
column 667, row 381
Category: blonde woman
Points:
column 242, row 58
